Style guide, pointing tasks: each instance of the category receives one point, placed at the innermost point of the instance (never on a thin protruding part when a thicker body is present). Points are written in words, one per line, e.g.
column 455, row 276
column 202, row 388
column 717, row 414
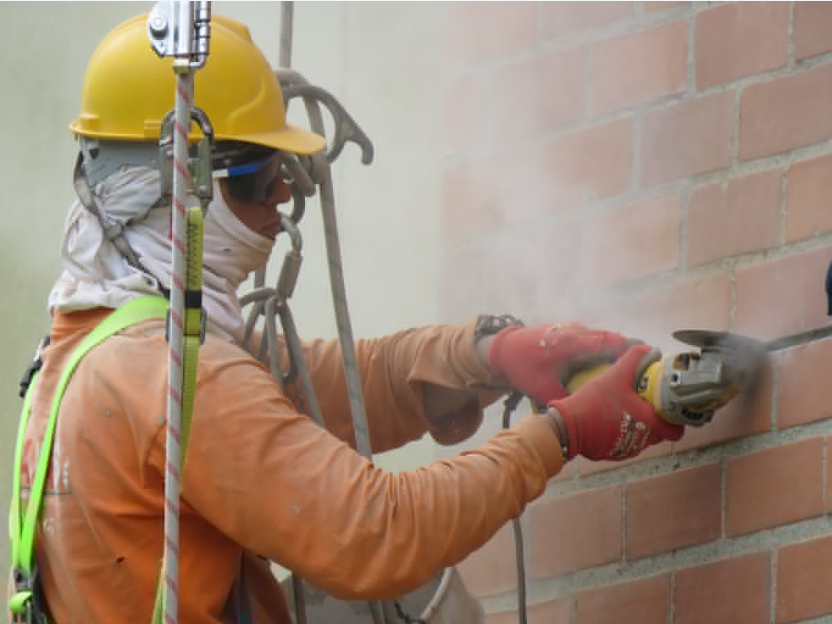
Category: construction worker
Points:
column 261, row 481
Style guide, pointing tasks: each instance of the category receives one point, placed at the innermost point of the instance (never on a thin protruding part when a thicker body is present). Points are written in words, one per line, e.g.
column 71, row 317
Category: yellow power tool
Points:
column 688, row 388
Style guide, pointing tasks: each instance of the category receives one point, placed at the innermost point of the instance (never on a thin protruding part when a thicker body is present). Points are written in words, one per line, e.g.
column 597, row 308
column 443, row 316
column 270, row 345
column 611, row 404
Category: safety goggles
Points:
column 252, row 182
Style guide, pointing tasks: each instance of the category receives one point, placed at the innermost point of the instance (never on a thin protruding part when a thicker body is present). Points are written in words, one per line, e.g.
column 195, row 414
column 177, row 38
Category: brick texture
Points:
column 502, row 28
column 643, row 601
column 593, row 163
column 634, row 241
column 550, row 612
column 577, row 531
column 774, row 487
column 784, row 113
column 571, row 18
column 660, row 53
column 808, row 188
column 672, row 511
column 739, row 39
column 653, row 315
column 803, row 573
column 491, row 569
column 526, row 105
column 686, row 139
column 731, row 219
column 812, row 25
column 782, row 296
column 486, row 193
column 805, row 394
column 731, row 591
column 827, row 498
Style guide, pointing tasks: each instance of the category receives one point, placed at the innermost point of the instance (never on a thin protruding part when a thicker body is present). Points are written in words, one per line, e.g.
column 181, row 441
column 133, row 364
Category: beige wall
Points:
column 371, row 56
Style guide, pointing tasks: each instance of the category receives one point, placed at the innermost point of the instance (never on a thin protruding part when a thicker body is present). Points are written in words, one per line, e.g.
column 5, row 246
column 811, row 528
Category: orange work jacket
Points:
column 262, row 482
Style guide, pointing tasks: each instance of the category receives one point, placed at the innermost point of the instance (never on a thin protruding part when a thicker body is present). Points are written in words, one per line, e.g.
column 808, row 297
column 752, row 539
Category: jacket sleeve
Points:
column 282, row 487
column 394, row 371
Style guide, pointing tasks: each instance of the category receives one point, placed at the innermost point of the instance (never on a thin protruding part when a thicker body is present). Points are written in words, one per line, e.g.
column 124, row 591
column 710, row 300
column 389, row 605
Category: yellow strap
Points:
column 193, row 336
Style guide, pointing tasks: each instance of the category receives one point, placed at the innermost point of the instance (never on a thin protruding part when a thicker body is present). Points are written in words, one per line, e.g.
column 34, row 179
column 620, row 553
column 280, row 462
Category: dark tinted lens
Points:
column 257, row 186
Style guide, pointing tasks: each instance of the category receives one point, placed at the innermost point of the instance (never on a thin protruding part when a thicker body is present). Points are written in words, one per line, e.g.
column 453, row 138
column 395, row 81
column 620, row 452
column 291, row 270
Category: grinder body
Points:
column 688, row 388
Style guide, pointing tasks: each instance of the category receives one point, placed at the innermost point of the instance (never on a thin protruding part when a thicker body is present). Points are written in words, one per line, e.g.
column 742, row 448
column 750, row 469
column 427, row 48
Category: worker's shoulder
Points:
column 151, row 335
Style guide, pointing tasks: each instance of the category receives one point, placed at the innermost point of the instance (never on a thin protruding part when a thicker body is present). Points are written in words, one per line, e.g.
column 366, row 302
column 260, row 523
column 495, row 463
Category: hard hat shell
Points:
column 128, row 90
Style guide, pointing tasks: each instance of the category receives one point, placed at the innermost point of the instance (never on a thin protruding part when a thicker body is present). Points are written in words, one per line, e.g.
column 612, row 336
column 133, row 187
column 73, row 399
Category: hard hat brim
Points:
column 289, row 139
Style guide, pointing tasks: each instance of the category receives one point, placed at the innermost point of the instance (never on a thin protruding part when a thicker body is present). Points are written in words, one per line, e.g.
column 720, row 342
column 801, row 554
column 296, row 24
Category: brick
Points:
column 491, row 569
column 585, row 467
column 731, row 591
column 502, row 28
column 539, row 95
column 811, row 23
column 634, row 241
column 574, row 532
column 827, row 495
column 808, row 187
column 740, row 39
column 550, row 612
column 804, row 393
column 653, row 315
column 745, row 415
column 782, row 296
column 588, row 165
column 569, row 18
column 501, row 617
column 483, row 194
column 542, row 280
column 781, row 114
column 803, row 573
column 774, row 487
column 733, row 218
column 686, row 139
column 466, row 114
column 643, row 601
column 673, row 511
column 638, row 67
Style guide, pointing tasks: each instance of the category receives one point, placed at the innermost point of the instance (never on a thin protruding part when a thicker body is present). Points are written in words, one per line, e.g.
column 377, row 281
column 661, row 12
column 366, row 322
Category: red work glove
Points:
column 607, row 419
column 540, row 360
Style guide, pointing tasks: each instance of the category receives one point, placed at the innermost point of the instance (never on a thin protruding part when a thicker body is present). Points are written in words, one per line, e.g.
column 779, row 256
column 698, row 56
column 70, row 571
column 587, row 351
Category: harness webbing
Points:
column 22, row 531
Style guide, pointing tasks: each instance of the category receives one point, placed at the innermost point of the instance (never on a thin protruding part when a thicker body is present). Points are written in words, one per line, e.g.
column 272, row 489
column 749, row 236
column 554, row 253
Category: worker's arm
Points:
column 283, row 488
column 439, row 378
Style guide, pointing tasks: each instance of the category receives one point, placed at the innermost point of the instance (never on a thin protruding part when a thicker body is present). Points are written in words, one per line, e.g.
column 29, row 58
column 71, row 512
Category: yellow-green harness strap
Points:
column 22, row 533
column 193, row 335
column 22, row 605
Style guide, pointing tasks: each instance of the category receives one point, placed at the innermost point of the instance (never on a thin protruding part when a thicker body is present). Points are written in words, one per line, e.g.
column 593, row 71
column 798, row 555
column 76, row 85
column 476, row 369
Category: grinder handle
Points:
column 647, row 381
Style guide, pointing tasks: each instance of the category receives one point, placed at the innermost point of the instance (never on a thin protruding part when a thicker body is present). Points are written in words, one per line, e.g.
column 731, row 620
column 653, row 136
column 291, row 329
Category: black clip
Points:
column 34, row 367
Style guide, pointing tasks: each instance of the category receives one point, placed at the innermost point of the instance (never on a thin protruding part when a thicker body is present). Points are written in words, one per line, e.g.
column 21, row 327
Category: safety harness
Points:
column 26, row 604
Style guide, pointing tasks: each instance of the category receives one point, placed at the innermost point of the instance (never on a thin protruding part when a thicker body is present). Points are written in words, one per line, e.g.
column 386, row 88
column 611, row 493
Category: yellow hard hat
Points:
column 128, row 90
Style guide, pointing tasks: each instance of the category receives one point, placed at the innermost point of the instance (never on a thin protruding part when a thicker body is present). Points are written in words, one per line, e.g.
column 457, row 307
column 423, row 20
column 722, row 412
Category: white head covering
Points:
column 96, row 275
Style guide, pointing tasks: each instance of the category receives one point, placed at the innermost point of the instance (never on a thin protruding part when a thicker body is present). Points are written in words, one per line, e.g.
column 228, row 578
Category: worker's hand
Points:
column 607, row 419
column 539, row 361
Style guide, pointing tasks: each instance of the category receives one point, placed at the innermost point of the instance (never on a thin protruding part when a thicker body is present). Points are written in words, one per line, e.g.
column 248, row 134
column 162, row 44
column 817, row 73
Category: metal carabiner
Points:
column 199, row 165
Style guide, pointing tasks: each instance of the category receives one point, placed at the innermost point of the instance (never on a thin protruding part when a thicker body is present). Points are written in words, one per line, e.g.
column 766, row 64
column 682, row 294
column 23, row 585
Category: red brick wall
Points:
column 648, row 167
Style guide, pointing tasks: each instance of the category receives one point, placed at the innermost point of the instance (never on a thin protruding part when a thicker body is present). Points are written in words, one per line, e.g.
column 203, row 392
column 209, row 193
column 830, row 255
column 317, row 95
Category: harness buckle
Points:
column 23, row 608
